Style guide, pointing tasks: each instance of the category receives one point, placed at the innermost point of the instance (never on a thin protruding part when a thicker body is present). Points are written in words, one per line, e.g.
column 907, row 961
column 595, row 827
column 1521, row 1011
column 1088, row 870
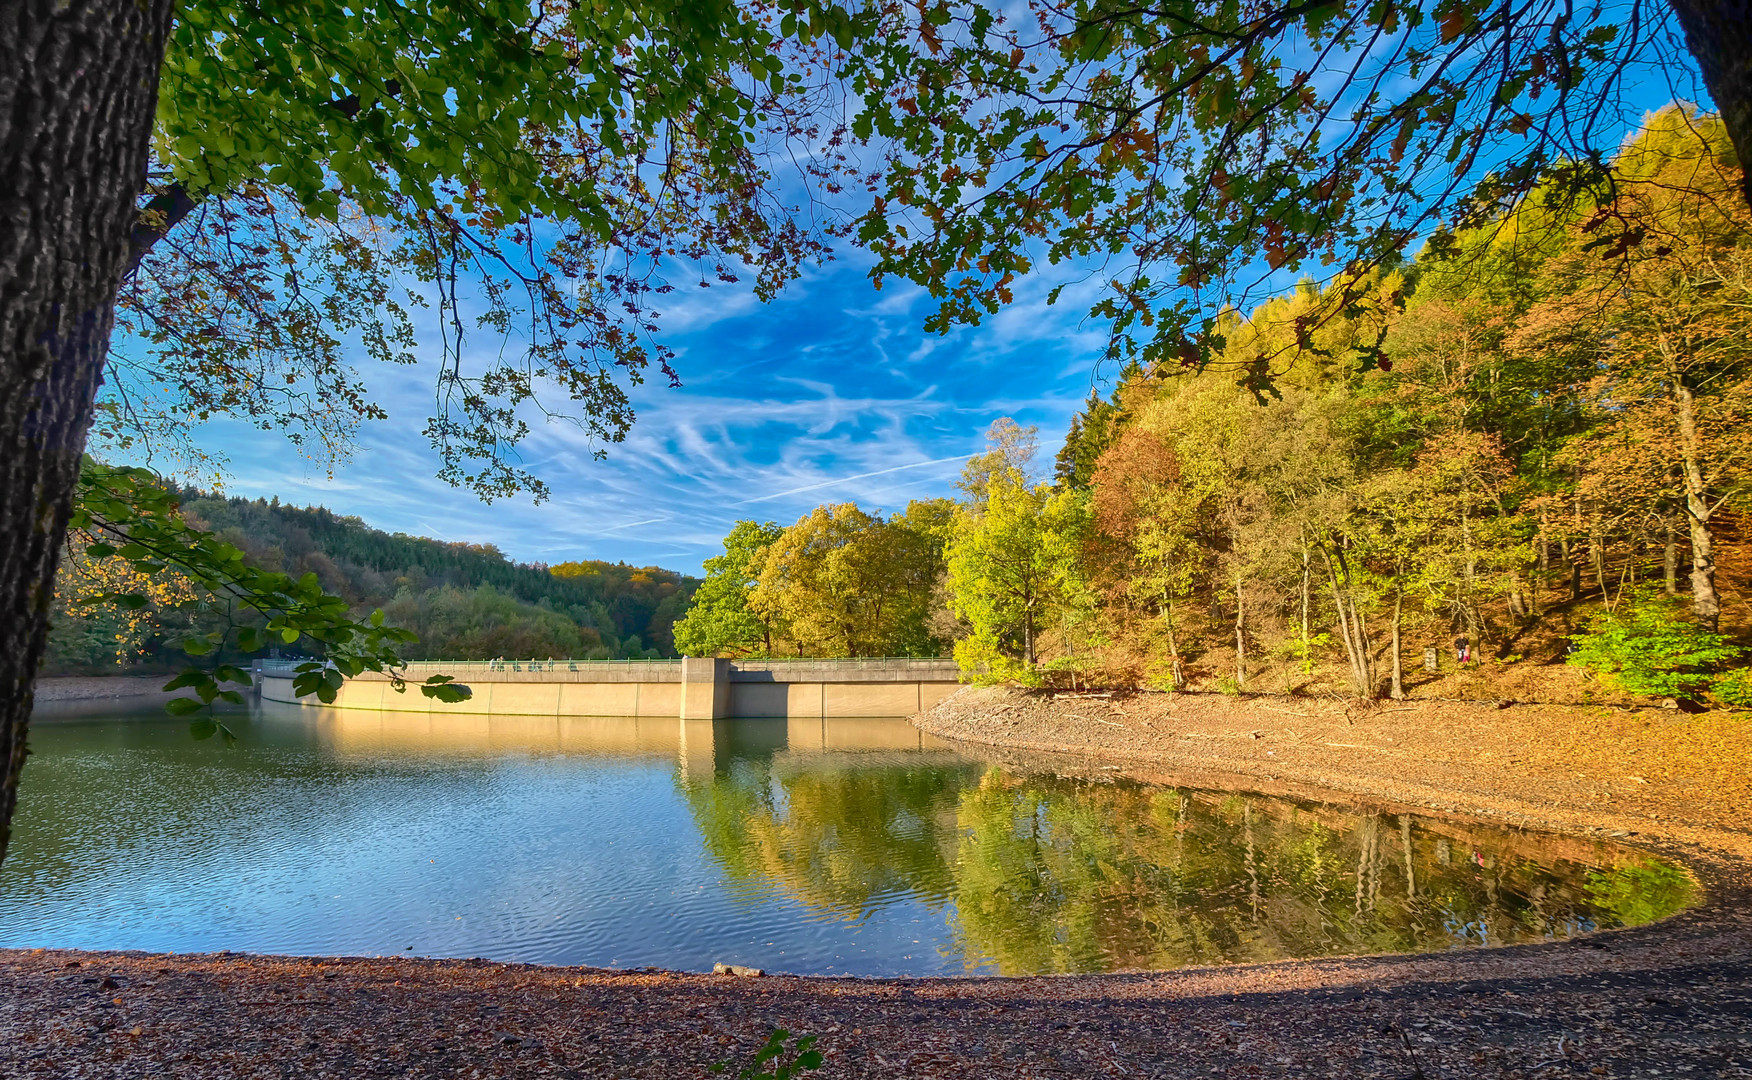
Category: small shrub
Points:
column 1070, row 673
column 1304, row 656
column 785, row 1061
column 1649, row 647
column 1159, row 678
column 984, row 664
column 1733, row 688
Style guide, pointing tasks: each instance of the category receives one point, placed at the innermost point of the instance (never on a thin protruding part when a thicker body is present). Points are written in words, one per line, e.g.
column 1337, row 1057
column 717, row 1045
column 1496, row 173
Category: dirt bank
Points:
column 1656, row 776
column 1671, row 1000
column 80, row 689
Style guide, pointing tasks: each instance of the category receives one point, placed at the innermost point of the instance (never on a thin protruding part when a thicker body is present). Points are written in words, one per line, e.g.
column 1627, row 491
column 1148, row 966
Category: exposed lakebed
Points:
column 808, row 846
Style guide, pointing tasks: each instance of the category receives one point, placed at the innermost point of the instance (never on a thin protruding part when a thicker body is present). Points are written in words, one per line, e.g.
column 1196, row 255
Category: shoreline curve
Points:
column 1670, row 998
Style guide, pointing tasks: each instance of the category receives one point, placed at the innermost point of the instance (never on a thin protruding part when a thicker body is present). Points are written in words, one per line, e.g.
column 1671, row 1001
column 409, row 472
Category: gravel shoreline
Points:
column 1673, row 999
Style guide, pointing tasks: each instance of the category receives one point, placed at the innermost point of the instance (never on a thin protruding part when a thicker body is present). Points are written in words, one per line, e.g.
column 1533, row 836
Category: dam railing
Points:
column 846, row 668
column 693, row 688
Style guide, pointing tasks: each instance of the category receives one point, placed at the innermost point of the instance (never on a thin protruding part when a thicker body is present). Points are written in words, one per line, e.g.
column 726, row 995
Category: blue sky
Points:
column 833, row 392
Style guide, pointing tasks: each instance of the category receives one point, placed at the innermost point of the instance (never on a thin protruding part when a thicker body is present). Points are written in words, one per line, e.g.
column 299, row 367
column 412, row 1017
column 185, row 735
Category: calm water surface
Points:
column 843, row 846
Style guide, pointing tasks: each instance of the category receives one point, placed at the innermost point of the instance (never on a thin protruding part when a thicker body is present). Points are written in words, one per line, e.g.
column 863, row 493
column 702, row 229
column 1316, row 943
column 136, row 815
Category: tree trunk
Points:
column 1177, row 674
column 1350, row 624
column 1670, row 562
column 1706, row 603
column 1469, row 607
column 78, row 90
column 1597, row 557
column 1240, row 638
column 1719, row 35
column 1398, row 688
column 1307, row 654
column 1176, row 670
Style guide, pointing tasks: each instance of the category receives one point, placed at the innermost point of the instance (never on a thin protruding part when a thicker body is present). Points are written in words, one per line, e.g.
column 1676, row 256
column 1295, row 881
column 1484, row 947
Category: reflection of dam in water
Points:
column 701, row 747
column 693, row 688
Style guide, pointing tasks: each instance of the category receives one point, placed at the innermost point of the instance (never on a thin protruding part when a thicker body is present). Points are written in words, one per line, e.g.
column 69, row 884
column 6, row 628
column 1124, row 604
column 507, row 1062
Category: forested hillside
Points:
column 465, row 601
column 1518, row 466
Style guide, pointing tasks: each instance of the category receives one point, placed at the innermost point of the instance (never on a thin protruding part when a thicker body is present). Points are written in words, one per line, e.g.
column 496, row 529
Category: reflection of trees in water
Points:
column 1641, row 891
column 837, row 840
column 1059, row 875
column 1052, row 875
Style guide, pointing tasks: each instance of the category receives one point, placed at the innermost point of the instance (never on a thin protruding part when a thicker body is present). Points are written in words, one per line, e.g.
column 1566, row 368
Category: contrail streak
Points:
column 849, row 479
column 630, row 524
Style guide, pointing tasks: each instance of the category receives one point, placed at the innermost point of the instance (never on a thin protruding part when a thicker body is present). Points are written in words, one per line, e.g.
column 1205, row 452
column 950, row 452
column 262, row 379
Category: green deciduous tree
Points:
column 720, row 621
column 125, row 513
column 844, row 582
column 1013, row 566
column 1010, row 448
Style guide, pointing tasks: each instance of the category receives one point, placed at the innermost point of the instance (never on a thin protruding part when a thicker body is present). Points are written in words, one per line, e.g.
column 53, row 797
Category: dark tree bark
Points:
column 1719, row 35
column 78, row 88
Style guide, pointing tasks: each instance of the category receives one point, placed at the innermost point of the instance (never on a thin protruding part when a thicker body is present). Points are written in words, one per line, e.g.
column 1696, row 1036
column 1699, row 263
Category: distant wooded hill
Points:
column 465, row 601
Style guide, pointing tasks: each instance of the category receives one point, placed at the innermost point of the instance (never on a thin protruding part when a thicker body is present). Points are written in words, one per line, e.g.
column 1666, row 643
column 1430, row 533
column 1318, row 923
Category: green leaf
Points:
column 232, row 674
column 449, row 693
column 204, row 728
column 182, row 706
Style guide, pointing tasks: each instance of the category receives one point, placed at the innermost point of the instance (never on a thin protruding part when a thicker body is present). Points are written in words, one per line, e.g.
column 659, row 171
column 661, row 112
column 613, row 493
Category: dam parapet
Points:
column 691, row 688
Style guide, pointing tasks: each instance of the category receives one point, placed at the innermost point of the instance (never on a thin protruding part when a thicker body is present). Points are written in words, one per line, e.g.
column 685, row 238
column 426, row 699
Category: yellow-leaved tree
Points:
column 94, row 626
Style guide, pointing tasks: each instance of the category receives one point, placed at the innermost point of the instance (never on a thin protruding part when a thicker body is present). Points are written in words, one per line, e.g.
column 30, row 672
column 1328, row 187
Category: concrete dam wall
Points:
column 693, row 688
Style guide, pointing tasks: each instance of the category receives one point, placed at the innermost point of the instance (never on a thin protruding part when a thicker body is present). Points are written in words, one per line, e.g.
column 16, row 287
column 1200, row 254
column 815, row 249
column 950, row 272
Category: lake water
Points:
column 839, row 846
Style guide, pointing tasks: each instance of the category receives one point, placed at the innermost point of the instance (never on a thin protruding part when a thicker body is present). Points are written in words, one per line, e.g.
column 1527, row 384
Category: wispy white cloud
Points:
column 820, row 392
column 848, row 479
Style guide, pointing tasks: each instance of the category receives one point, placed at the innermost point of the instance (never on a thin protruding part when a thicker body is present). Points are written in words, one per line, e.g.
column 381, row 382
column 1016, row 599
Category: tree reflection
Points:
column 1048, row 874
column 840, row 840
